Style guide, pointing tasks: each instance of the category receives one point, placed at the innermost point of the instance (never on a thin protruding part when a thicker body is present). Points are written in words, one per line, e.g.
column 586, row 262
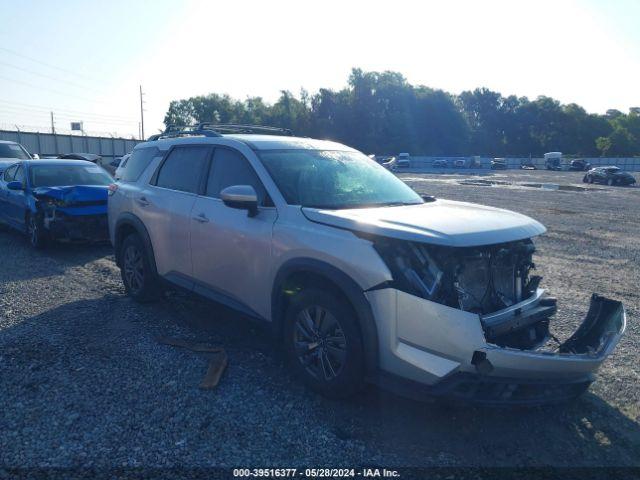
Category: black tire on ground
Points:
column 590, row 179
column 610, row 182
column 585, row 179
column 36, row 234
column 141, row 282
column 324, row 349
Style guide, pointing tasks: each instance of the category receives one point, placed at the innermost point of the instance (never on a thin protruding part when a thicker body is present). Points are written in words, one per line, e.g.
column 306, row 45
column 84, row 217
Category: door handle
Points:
column 202, row 218
column 143, row 201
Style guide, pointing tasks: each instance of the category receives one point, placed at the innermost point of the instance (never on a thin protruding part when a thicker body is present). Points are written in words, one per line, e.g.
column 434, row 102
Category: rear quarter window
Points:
column 138, row 161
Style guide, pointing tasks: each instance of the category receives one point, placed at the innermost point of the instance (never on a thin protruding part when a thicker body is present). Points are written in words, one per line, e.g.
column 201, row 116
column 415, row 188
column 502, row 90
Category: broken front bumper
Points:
column 92, row 228
column 439, row 350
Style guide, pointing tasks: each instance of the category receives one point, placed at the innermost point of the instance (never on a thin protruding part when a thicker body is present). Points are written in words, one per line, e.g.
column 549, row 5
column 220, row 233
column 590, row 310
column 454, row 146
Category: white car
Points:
column 360, row 278
column 403, row 160
column 121, row 166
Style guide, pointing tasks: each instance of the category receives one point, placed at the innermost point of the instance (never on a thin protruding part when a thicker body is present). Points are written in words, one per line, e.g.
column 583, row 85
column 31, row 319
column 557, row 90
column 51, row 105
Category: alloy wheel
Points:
column 33, row 231
column 134, row 268
column 320, row 343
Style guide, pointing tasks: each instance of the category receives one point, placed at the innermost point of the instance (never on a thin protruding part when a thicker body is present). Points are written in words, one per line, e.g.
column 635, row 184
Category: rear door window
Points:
column 183, row 169
column 138, row 161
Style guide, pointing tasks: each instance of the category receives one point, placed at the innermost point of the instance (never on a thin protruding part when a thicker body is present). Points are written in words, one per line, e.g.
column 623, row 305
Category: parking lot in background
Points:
column 85, row 383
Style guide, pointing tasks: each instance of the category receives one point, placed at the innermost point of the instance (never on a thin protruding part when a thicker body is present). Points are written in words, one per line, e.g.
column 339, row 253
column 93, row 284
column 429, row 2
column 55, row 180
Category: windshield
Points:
column 335, row 179
column 13, row 150
column 68, row 175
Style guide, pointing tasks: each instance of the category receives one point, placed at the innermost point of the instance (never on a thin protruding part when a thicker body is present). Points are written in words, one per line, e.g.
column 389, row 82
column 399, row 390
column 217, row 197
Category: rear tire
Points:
column 141, row 282
column 323, row 343
column 36, row 233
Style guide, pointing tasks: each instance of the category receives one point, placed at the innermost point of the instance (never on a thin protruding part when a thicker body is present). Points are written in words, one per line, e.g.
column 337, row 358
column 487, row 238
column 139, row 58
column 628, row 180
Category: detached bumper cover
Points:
column 442, row 351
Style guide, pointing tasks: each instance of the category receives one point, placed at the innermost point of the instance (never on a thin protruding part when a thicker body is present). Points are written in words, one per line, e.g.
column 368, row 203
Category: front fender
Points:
column 130, row 222
column 347, row 285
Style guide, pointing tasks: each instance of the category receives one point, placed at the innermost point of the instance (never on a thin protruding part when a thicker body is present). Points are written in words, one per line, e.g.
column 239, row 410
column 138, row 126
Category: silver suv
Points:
column 362, row 279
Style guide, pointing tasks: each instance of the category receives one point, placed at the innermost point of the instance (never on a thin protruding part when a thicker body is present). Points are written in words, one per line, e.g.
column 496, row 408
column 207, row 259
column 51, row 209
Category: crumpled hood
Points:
column 74, row 194
column 442, row 222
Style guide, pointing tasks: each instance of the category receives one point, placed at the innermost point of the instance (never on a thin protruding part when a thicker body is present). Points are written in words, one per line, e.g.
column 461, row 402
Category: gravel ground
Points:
column 84, row 383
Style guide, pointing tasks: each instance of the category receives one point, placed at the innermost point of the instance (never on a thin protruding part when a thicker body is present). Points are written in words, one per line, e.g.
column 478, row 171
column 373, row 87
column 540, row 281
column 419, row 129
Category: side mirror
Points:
column 15, row 186
column 242, row 197
column 35, row 156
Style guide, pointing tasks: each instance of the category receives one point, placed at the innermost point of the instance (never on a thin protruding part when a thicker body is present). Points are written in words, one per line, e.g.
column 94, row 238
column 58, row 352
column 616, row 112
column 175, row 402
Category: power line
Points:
column 88, row 116
column 48, row 65
column 31, row 72
column 47, row 109
column 40, row 115
column 50, row 90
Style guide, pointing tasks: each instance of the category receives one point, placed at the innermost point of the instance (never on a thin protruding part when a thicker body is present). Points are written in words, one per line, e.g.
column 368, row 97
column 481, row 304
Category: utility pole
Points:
column 141, row 114
column 53, row 125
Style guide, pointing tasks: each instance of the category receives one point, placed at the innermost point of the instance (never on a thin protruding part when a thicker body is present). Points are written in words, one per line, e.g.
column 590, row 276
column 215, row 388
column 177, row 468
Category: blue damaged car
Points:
column 55, row 200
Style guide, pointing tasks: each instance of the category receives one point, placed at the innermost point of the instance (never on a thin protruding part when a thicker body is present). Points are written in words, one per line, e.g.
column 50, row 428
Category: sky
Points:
column 85, row 60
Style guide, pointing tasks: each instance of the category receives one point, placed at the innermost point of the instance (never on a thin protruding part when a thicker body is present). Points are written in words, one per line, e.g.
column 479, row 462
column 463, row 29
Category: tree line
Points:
column 382, row 113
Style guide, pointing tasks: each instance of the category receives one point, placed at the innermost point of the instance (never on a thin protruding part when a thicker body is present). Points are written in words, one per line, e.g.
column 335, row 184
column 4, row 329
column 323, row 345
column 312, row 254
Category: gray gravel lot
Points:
column 84, row 383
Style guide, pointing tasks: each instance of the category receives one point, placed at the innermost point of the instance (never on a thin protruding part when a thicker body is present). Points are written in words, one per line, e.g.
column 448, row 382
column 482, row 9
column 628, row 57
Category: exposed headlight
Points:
column 476, row 279
column 52, row 202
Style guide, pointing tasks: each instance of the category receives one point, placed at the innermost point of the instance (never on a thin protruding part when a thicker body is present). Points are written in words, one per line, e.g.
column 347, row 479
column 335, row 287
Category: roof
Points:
column 9, row 141
column 276, row 142
column 85, row 156
column 54, row 161
column 256, row 142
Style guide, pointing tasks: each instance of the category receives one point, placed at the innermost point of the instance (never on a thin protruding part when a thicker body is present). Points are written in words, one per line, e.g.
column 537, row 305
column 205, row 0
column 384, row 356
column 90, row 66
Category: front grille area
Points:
column 85, row 227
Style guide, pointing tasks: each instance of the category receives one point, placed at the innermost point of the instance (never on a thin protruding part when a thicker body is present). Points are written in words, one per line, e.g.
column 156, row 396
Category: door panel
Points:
column 166, row 214
column 5, row 206
column 165, row 207
column 232, row 252
column 18, row 200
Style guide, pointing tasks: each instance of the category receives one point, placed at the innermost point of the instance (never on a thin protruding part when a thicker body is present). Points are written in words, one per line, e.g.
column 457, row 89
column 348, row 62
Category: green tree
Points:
column 381, row 112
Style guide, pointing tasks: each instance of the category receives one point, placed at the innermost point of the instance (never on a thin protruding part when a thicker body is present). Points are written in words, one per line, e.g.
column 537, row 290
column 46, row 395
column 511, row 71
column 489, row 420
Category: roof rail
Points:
column 240, row 128
column 174, row 131
column 210, row 129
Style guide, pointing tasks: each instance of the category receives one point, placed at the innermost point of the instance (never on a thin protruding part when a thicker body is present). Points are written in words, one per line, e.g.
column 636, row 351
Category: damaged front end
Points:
column 73, row 213
column 473, row 323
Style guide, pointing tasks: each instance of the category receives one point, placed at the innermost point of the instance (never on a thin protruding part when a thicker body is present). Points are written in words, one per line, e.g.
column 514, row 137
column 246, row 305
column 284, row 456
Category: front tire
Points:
column 610, row 182
column 36, row 233
column 323, row 343
column 141, row 282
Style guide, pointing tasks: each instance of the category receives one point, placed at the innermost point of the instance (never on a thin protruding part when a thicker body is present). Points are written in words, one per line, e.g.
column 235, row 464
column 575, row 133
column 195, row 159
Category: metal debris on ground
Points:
column 217, row 366
column 189, row 345
column 217, row 362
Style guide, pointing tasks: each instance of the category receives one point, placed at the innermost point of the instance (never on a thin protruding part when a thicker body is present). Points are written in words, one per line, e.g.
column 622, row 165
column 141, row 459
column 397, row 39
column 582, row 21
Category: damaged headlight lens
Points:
column 413, row 268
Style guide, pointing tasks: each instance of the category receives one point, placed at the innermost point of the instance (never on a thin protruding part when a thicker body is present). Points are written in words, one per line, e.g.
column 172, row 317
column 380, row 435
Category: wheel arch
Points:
column 127, row 224
column 313, row 272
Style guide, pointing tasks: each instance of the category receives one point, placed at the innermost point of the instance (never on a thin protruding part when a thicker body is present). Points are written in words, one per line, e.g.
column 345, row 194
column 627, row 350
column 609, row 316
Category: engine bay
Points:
column 481, row 280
